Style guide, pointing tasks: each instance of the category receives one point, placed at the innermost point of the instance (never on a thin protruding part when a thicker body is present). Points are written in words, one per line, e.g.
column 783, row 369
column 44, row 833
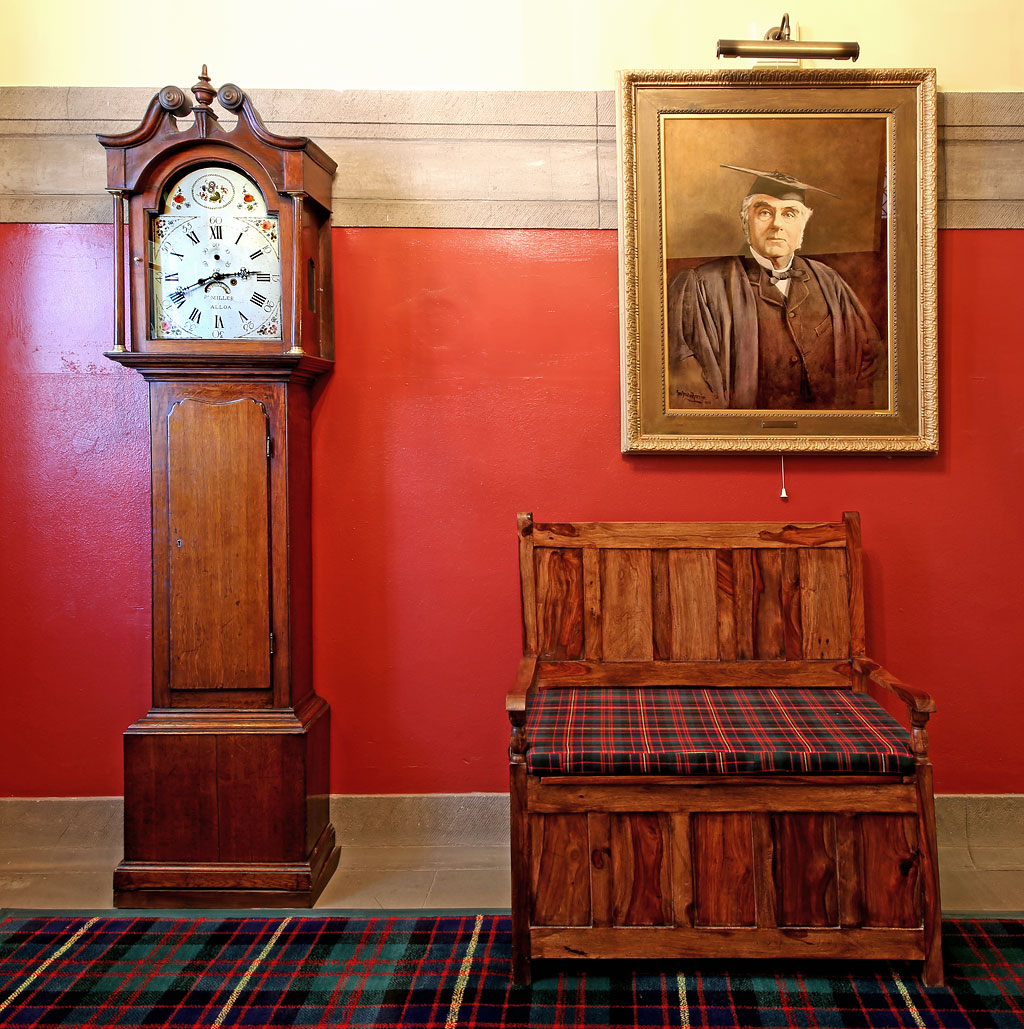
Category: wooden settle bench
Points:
column 699, row 766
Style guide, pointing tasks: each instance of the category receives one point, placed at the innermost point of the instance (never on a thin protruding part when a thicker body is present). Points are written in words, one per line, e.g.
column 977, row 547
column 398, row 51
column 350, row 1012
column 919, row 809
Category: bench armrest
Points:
column 515, row 700
column 515, row 705
column 919, row 704
column 917, row 701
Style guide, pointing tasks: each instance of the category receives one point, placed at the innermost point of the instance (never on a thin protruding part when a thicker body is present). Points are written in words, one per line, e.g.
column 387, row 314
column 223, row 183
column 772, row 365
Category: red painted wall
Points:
column 477, row 375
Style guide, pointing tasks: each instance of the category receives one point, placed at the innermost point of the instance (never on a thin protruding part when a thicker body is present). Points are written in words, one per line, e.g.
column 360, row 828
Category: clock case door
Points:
column 218, row 567
column 227, row 775
column 232, row 547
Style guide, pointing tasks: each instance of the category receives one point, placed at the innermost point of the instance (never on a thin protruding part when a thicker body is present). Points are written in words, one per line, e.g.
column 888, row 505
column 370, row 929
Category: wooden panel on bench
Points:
column 635, row 594
column 722, row 864
column 561, row 867
column 693, row 535
column 715, row 870
column 673, row 942
column 805, row 869
column 735, row 674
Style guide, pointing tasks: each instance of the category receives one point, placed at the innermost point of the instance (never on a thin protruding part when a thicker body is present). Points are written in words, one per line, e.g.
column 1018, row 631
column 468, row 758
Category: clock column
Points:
column 227, row 775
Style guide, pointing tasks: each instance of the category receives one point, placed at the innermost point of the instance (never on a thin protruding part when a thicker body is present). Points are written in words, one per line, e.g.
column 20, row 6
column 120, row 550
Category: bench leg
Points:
column 522, row 971
column 520, row 857
column 932, row 973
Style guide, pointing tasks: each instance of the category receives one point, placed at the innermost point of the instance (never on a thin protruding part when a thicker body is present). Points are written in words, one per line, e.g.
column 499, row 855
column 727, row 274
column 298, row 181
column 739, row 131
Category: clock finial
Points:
column 202, row 90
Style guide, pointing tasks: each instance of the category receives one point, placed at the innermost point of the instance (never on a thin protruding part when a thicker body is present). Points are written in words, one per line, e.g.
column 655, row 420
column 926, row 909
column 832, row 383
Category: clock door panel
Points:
column 219, row 546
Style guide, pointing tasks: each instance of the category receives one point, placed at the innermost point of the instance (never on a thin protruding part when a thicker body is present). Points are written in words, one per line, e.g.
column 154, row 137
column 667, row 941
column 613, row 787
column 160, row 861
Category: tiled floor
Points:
column 62, row 854
column 69, row 866
column 56, row 858
column 399, row 878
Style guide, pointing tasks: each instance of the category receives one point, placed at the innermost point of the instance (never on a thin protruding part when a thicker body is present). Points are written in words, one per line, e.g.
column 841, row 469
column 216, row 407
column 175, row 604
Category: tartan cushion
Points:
column 681, row 731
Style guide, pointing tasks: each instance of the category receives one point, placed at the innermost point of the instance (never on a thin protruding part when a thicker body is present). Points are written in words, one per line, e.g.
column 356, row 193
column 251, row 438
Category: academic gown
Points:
column 713, row 317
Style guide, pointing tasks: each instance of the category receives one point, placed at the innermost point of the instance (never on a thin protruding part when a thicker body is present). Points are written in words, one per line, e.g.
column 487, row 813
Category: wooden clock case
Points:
column 226, row 777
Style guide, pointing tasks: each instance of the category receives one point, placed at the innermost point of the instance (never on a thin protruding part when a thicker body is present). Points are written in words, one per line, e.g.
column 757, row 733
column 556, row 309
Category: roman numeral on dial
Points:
column 259, row 299
column 195, row 316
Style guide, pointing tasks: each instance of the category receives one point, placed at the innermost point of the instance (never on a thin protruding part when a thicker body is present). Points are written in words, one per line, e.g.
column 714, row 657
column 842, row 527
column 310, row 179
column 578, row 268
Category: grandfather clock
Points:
column 224, row 307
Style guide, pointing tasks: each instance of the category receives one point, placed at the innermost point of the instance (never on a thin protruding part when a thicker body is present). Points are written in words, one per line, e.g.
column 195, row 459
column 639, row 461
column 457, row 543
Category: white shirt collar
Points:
column 783, row 284
column 766, row 264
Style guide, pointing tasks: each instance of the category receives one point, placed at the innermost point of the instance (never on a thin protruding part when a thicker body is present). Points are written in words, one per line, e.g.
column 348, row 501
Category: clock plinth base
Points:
column 227, row 808
column 150, row 884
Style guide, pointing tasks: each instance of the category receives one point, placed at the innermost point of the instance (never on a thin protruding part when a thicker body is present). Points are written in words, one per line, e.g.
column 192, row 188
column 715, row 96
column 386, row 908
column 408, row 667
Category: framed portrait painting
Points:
column 777, row 260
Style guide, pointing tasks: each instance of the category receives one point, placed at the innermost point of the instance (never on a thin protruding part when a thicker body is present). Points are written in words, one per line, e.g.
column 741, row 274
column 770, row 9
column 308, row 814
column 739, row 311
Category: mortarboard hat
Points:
column 777, row 184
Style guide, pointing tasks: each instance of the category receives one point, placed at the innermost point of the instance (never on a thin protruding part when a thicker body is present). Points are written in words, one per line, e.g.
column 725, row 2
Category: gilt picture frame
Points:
column 777, row 234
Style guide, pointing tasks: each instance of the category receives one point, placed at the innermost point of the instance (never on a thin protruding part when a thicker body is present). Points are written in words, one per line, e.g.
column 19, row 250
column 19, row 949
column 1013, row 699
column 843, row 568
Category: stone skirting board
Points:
column 455, row 159
column 985, row 830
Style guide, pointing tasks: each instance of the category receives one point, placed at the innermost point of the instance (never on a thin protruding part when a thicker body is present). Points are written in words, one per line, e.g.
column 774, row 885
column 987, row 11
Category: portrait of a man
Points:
column 769, row 328
column 776, row 261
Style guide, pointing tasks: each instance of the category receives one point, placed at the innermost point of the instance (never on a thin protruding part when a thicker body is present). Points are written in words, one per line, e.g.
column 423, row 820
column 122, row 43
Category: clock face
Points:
column 215, row 260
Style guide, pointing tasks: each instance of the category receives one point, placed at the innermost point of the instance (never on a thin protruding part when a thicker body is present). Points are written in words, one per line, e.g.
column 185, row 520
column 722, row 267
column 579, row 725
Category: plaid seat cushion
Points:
column 681, row 731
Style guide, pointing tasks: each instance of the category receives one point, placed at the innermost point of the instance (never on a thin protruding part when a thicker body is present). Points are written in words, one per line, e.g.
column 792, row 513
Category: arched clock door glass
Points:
column 215, row 259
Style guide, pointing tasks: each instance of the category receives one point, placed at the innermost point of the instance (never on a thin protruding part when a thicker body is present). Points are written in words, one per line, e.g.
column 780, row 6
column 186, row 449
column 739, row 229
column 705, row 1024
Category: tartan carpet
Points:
column 447, row 971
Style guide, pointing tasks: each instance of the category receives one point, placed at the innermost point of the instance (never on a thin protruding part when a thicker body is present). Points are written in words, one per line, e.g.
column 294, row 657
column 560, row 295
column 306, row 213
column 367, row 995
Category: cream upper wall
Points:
column 479, row 44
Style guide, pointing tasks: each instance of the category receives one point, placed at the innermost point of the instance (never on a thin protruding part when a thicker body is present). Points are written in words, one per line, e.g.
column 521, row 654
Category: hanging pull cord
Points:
column 783, row 495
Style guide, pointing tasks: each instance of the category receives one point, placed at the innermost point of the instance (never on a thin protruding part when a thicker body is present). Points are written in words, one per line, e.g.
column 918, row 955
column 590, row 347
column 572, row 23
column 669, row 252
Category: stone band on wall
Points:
column 981, row 154
column 455, row 159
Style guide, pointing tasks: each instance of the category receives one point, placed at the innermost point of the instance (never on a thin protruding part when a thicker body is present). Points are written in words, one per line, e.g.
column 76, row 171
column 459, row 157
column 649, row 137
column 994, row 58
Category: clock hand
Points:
column 244, row 273
column 178, row 296
column 218, row 279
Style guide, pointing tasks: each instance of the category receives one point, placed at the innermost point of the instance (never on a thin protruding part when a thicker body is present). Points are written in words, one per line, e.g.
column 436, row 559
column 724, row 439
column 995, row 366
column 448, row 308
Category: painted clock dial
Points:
column 215, row 260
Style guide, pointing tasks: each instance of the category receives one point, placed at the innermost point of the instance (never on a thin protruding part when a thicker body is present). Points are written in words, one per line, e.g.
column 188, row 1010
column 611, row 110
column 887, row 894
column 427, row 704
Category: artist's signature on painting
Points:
column 693, row 398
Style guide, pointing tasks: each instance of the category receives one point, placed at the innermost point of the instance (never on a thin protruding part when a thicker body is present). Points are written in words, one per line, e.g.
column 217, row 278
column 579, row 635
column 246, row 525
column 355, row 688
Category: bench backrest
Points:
column 692, row 591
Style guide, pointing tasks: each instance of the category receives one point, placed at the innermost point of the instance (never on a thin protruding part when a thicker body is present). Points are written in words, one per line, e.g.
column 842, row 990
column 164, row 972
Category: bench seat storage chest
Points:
column 700, row 762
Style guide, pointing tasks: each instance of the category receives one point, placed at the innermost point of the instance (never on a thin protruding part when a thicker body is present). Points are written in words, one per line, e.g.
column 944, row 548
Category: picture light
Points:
column 777, row 45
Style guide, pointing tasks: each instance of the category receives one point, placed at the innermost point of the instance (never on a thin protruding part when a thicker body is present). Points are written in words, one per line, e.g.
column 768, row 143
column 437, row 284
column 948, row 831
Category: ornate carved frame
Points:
column 905, row 98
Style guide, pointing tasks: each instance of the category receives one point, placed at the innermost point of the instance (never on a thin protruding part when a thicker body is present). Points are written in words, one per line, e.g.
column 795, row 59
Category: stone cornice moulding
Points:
column 455, row 159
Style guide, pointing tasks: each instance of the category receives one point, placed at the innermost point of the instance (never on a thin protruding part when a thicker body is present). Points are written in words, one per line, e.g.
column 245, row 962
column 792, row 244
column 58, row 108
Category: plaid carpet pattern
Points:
column 433, row 972
column 678, row 731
